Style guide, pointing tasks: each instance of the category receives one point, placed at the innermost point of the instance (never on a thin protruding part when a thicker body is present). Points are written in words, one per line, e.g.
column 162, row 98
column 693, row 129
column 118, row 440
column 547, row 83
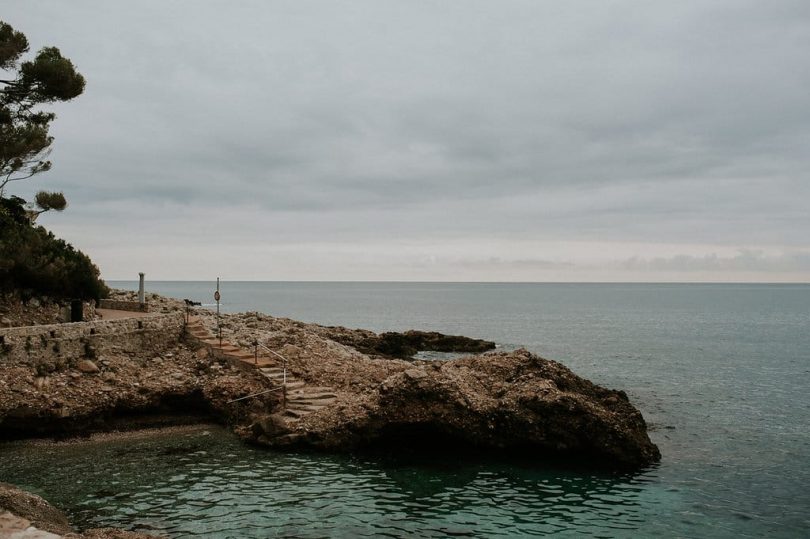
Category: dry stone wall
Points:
column 120, row 305
column 56, row 346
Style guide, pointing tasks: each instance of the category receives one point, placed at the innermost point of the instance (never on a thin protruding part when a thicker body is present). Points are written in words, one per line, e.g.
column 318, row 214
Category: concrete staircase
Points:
column 301, row 399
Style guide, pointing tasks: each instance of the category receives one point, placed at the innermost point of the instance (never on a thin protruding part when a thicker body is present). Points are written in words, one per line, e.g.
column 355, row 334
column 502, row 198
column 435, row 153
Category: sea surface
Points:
column 721, row 372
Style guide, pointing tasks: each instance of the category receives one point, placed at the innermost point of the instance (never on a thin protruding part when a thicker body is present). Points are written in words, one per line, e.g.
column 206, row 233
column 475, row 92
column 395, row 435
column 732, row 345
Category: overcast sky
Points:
column 433, row 140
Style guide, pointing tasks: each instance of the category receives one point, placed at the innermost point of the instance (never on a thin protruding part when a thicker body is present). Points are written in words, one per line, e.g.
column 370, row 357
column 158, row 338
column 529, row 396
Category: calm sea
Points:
column 721, row 372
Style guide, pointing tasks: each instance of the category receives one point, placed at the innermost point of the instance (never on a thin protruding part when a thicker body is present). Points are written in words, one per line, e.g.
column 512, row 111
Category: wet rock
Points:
column 34, row 509
column 270, row 426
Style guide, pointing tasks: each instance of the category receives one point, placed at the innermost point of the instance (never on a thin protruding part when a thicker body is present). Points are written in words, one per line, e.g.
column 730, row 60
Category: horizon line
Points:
column 449, row 282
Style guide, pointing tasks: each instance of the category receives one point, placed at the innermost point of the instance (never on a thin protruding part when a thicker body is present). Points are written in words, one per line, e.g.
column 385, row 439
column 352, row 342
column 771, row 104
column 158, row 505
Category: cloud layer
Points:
column 431, row 140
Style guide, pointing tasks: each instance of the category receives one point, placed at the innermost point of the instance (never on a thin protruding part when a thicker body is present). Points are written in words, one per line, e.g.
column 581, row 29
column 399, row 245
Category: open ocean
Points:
column 721, row 372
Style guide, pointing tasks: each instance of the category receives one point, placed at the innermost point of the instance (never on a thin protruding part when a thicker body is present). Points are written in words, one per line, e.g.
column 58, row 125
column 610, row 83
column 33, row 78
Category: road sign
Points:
column 216, row 295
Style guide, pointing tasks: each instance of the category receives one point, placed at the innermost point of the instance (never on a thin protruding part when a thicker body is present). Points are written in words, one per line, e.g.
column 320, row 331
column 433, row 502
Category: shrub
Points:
column 35, row 262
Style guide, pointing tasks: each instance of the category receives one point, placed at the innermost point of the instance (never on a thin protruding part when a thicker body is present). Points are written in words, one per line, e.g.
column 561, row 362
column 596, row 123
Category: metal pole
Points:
column 219, row 327
column 284, row 385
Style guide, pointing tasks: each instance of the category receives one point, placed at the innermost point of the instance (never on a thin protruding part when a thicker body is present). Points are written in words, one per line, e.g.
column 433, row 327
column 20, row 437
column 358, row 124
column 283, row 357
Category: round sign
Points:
column 216, row 295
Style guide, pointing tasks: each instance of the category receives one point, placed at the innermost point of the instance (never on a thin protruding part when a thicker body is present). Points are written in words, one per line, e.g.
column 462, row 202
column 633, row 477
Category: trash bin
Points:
column 76, row 311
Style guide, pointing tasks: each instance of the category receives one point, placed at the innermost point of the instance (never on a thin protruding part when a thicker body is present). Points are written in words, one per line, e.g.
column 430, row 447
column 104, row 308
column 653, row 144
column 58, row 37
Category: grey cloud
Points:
column 682, row 123
column 745, row 260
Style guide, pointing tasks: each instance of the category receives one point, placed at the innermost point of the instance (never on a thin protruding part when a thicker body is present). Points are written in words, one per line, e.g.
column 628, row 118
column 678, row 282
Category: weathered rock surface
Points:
column 27, row 516
column 509, row 400
column 347, row 393
column 404, row 345
column 88, row 367
column 172, row 387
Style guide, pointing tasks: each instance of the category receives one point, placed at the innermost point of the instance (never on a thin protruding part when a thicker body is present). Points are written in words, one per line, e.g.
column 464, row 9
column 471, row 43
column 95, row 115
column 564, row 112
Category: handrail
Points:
column 284, row 359
column 257, row 344
column 254, row 395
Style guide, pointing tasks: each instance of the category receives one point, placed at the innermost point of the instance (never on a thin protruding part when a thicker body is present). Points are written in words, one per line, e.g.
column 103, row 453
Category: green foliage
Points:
column 46, row 201
column 51, row 201
column 32, row 260
column 49, row 77
column 12, row 45
column 35, row 262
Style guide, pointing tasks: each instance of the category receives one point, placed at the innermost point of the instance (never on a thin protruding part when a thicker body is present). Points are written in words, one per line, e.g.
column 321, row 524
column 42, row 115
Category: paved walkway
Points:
column 112, row 314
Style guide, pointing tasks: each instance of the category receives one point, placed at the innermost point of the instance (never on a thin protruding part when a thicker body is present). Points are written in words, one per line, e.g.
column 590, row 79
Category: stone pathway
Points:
column 302, row 399
column 113, row 314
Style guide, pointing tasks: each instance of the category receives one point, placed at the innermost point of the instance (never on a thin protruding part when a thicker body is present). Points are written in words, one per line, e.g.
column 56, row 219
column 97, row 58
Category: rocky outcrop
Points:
column 121, row 391
column 497, row 401
column 25, row 515
column 404, row 345
column 508, row 401
column 339, row 396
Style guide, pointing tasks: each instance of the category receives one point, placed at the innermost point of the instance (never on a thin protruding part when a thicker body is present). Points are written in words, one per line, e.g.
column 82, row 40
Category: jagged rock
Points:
column 342, row 396
column 270, row 426
column 27, row 516
column 88, row 367
column 34, row 509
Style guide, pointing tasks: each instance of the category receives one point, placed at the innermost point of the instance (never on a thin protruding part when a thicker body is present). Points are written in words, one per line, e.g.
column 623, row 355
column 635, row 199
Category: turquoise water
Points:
column 721, row 372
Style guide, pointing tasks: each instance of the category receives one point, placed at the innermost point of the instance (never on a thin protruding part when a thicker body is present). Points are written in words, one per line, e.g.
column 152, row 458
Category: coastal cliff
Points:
column 347, row 389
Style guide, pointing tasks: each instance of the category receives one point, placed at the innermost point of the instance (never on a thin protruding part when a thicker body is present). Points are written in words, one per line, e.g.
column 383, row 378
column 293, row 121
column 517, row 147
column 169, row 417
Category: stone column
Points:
column 141, row 297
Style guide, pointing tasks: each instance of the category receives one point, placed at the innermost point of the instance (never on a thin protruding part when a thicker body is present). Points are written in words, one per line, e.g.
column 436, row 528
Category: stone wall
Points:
column 56, row 346
column 120, row 305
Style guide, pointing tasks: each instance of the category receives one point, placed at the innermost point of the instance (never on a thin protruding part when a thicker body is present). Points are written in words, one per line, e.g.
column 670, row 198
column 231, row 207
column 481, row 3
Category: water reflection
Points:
column 206, row 483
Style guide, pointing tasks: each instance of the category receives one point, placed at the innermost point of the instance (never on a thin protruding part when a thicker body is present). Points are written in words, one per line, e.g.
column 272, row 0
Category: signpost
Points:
column 219, row 327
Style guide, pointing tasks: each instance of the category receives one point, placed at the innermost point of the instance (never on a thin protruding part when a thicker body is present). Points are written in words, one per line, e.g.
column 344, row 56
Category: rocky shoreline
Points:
column 348, row 390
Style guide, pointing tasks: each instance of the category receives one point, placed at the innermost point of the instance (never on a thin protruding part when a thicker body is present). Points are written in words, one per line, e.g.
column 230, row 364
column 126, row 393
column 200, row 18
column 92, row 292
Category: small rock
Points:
column 88, row 367
column 415, row 374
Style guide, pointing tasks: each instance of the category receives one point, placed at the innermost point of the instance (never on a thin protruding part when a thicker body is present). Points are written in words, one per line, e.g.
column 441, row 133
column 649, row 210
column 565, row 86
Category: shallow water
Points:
column 204, row 482
column 721, row 373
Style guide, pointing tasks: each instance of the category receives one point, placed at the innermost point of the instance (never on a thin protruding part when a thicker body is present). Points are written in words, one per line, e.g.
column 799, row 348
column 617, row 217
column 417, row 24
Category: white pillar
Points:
column 141, row 297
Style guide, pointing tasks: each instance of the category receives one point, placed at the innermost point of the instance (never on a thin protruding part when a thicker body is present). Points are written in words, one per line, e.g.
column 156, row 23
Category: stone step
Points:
column 304, row 409
column 318, row 389
column 240, row 355
column 321, row 400
column 305, row 394
column 279, row 376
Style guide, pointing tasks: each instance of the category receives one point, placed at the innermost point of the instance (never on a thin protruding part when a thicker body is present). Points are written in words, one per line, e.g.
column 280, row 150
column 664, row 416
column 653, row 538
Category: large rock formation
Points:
column 501, row 401
column 350, row 392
